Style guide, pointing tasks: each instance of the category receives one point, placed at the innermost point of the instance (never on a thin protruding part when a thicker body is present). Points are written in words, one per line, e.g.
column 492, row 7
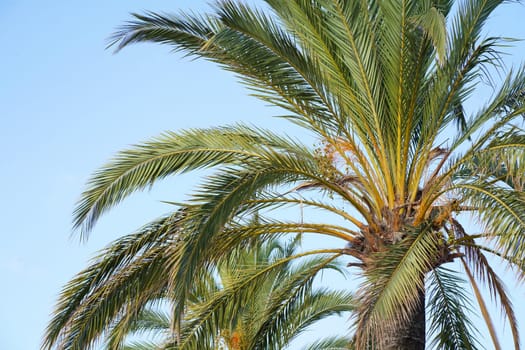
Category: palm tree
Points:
column 230, row 312
column 254, row 297
column 382, row 85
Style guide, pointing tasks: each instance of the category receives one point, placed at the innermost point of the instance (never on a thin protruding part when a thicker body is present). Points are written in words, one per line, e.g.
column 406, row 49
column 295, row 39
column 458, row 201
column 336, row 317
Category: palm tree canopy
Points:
column 382, row 85
column 255, row 299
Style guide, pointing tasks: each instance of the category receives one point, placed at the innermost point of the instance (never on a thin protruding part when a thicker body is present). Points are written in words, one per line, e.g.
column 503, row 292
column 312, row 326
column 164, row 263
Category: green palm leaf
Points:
column 450, row 326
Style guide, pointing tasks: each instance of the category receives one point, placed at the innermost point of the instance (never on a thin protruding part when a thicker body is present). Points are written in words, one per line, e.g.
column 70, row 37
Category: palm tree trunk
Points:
column 412, row 336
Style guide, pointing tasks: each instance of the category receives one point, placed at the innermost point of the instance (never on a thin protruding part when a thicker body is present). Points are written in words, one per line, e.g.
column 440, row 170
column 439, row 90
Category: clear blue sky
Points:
column 67, row 105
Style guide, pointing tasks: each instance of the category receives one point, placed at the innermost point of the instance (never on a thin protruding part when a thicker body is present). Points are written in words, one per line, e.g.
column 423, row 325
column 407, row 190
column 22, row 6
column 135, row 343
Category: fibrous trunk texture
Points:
column 412, row 335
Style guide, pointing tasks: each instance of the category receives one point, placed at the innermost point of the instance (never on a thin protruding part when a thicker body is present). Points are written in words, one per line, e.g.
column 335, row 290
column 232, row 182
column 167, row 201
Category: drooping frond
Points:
column 128, row 268
column 476, row 261
column 448, row 305
column 391, row 292
column 174, row 153
column 501, row 210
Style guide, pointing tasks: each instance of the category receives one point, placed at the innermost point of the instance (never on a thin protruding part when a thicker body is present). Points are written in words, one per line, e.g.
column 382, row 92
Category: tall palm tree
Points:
column 382, row 85
column 231, row 312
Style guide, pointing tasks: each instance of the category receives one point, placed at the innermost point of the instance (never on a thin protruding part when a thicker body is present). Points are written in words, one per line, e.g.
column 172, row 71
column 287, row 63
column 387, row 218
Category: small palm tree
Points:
column 234, row 309
column 382, row 85
column 254, row 297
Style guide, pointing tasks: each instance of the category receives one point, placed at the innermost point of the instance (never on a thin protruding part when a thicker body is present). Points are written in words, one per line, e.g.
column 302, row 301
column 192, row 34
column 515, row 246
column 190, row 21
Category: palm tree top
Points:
column 382, row 85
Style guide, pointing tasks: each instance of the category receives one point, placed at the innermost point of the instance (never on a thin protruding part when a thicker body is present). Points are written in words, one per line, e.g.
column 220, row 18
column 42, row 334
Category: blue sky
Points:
column 67, row 105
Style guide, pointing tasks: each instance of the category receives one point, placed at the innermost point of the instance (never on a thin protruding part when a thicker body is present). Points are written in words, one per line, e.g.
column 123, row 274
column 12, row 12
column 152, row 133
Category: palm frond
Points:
column 236, row 295
column 476, row 261
column 153, row 322
column 450, row 326
column 303, row 314
column 332, row 343
column 110, row 283
column 392, row 290
column 173, row 153
column 142, row 345
column 502, row 210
